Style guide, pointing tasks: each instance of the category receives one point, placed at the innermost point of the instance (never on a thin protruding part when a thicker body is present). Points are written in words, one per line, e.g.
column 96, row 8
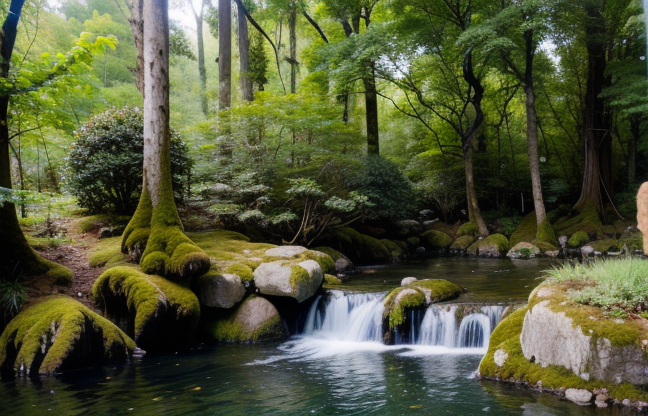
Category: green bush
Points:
column 105, row 163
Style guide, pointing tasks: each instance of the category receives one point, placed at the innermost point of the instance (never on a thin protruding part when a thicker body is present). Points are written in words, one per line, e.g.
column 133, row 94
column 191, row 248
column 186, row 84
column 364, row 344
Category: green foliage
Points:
column 12, row 298
column 578, row 239
column 105, row 162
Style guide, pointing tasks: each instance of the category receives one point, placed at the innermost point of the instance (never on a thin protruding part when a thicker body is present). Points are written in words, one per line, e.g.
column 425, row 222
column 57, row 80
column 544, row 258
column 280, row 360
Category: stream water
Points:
column 336, row 365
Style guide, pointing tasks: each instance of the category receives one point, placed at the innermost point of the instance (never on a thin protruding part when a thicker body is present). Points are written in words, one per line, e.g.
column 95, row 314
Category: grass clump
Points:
column 608, row 283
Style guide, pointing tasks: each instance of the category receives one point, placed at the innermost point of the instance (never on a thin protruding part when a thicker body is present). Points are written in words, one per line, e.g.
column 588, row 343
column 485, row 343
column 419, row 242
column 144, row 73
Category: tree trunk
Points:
column 635, row 136
column 224, row 54
column 292, row 27
column 202, row 71
column 371, row 113
column 596, row 132
column 137, row 28
column 474, row 213
column 154, row 235
column 532, row 131
column 244, row 55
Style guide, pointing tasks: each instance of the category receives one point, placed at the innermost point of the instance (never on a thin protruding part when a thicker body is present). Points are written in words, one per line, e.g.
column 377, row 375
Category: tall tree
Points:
column 154, row 236
column 202, row 71
column 224, row 54
column 244, row 56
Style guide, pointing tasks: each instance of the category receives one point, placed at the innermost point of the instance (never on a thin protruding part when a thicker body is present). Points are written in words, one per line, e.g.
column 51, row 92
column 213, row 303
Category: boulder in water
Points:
column 286, row 278
column 523, row 250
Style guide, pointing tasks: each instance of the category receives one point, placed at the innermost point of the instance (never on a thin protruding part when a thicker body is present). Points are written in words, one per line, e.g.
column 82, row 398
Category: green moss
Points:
column 463, row 242
column 468, row 229
column 396, row 309
column 94, row 222
column 606, row 231
column 436, row 239
column 154, row 307
column 241, row 270
column 325, row 261
column 413, row 241
column 58, row 334
column 107, row 252
column 298, row 275
column 606, row 245
column 441, row 289
column 332, row 280
column 332, row 253
column 394, row 249
column 544, row 246
column 578, row 239
column 526, row 231
column 498, row 242
column 546, row 234
column 586, row 220
column 506, row 336
column 362, row 246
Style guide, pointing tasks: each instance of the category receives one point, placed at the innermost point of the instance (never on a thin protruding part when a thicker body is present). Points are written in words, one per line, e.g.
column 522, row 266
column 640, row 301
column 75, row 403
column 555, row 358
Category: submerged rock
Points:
column 287, row 278
column 60, row 334
column 579, row 396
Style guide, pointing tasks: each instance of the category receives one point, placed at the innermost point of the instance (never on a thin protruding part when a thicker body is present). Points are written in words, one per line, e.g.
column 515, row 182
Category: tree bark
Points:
column 371, row 114
column 292, row 28
column 244, row 55
column 532, row 130
column 596, row 128
column 202, row 71
column 137, row 28
column 224, row 54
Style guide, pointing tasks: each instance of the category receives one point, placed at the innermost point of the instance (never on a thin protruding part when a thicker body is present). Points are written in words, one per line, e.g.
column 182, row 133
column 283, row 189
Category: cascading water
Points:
column 358, row 318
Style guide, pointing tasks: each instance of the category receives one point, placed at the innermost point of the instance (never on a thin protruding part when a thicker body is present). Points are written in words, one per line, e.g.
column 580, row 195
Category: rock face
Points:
column 523, row 250
column 220, row 290
column 549, row 338
column 285, row 278
column 60, row 334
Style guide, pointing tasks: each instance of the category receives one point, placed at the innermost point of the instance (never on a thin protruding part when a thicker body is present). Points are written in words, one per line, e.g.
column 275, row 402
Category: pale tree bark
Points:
column 154, row 235
column 202, row 71
column 292, row 28
column 137, row 28
column 224, row 54
column 244, row 55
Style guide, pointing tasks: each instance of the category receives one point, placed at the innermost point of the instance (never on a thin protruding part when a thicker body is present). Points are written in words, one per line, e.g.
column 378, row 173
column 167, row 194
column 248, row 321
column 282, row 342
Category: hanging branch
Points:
column 265, row 35
column 316, row 26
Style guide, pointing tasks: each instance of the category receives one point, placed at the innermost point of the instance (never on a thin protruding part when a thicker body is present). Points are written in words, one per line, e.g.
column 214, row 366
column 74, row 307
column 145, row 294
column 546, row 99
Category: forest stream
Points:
column 336, row 364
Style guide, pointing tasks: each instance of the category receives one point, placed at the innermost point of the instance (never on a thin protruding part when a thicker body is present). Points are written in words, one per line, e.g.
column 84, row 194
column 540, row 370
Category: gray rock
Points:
column 500, row 358
column 220, row 291
column 409, row 227
column 587, row 250
column 286, row 252
column 579, row 396
column 407, row 280
column 562, row 240
column 549, row 338
column 343, row 264
column 259, row 320
column 291, row 279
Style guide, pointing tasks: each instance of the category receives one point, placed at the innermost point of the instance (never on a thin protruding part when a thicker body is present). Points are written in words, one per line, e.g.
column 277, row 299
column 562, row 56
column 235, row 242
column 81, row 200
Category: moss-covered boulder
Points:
column 361, row 248
column 157, row 313
column 395, row 250
column 255, row 320
column 469, row 228
column 436, row 239
column 523, row 251
column 341, row 262
column 586, row 220
column 578, row 239
column 60, row 334
column 298, row 254
column 495, row 245
column 607, row 245
column 462, row 243
column 526, row 230
column 220, row 290
column 299, row 280
column 565, row 345
column 330, row 280
column 416, row 294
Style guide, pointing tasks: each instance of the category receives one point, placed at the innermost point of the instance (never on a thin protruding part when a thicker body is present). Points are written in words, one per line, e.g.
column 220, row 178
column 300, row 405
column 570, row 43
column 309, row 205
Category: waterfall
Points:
column 358, row 317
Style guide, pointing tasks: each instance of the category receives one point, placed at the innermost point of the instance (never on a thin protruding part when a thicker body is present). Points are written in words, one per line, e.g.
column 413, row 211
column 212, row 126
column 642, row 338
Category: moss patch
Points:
column 436, row 239
column 526, row 231
column 587, row 220
column 493, row 245
column 468, row 229
column 331, row 280
column 94, row 222
column 333, row 254
column 394, row 249
column 463, row 242
column 156, row 312
column 107, row 253
column 59, row 334
column 545, row 233
column 606, row 245
column 361, row 247
column 578, row 239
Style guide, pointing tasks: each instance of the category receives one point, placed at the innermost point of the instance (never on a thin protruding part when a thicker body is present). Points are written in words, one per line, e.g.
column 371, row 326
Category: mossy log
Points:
column 60, row 334
column 157, row 313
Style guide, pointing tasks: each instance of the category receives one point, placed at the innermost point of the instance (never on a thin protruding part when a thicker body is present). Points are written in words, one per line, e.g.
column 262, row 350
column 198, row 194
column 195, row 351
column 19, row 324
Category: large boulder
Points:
column 286, row 252
column 495, row 245
column 523, row 250
column 220, row 290
column 157, row 313
column 60, row 334
column 255, row 320
column 299, row 280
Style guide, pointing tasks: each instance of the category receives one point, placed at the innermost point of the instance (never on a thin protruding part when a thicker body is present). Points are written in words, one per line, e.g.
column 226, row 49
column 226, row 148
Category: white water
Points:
column 343, row 323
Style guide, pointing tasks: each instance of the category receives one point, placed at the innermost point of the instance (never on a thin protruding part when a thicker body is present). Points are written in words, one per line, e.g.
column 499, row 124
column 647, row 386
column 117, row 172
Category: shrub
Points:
column 105, row 163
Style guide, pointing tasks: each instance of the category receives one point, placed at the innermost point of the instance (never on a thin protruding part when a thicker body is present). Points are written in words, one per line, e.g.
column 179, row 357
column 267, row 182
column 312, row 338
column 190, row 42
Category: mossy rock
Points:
column 469, row 229
column 450, row 229
column 157, row 313
column 331, row 280
column 545, row 234
column 495, row 245
column 436, row 239
column 605, row 232
column 578, row 239
column 256, row 320
column 462, row 243
column 289, row 278
column 419, row 293
column 362, row 248
column 394, row 249
column 505, row 360
column 413, row 242
column 586, row 220
column 607, row 245
column 59, row 334
column 526, row 231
